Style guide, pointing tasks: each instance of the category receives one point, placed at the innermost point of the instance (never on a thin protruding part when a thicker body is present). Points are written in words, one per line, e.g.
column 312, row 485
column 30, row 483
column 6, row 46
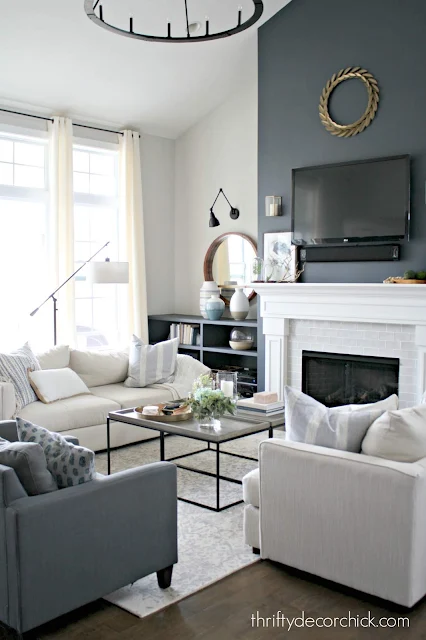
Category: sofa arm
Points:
column 351, row 518
column 78, row 544
column 7, row 400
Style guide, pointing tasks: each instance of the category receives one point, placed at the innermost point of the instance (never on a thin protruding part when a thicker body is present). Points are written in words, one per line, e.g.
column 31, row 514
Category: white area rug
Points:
column 211, row 545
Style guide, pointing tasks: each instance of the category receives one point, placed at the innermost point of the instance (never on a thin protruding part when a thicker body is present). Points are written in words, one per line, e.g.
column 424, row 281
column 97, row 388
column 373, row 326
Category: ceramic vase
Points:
column 214, row 307
column 239, row 305
column 209, row 287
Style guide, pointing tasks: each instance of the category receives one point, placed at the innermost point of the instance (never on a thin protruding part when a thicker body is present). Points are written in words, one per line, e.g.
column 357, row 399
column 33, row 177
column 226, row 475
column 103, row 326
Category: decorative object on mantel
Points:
column 258, row 270
column 190, row 33
column 208, row 288
column 209, row 404
column 241, row 339
column 280, row 258
column 229, row 259
column 215, row 307
column 273, row 206
column 239, row 305
column 348, row 130
column 234, row 214
column 410, row 277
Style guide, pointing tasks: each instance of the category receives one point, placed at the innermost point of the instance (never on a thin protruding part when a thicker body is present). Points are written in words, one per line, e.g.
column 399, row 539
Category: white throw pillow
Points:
column 55, row 384
column 309, row 421
column 388, row 404
column 398, row 435
column 99, row 367
column 151, row 363
column 55, row 358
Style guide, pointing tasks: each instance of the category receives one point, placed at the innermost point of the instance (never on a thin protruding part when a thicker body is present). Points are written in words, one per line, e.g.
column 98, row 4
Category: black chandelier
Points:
column 95, row 12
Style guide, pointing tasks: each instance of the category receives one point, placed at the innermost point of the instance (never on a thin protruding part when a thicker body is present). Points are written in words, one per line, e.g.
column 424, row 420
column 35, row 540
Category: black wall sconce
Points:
column 234, row 213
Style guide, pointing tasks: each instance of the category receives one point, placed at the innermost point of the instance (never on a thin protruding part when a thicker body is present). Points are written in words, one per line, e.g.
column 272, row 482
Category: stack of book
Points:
column 187, row 333
column 260, row 408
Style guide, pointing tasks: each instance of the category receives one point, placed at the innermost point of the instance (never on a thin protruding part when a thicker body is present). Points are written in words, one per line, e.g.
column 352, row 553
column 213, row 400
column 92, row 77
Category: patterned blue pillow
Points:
column 68, row 463
column 14, row 368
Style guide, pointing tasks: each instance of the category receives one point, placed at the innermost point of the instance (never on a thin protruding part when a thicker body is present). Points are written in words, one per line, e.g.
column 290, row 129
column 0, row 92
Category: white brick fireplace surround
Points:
column 381, row 320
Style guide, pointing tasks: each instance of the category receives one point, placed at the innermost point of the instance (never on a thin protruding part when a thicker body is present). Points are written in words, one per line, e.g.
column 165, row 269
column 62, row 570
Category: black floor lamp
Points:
column 109, row 272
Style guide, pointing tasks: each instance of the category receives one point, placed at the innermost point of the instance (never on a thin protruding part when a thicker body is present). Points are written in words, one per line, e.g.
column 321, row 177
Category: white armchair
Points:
column 351, row 518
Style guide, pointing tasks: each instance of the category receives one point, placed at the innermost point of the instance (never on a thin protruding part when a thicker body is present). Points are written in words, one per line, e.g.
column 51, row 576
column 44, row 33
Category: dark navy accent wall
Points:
column 299, row 50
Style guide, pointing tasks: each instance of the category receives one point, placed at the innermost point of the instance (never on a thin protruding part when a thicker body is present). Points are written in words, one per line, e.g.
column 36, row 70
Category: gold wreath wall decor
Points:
column 348, row 130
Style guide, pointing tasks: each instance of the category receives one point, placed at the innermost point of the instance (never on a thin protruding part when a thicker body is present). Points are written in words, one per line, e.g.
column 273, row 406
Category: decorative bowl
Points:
column 241, row 345
column 179, row 415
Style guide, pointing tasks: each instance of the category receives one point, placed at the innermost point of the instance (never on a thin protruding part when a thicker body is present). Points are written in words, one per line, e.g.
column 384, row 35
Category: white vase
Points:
column 239, row 305
column 209, row 287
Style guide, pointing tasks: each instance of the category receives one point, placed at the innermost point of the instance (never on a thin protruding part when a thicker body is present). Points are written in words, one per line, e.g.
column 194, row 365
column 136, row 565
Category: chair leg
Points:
column 256, row 551
column 164, row 577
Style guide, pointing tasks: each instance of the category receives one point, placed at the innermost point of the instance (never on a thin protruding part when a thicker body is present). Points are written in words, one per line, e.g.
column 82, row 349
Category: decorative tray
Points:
column 174, row 413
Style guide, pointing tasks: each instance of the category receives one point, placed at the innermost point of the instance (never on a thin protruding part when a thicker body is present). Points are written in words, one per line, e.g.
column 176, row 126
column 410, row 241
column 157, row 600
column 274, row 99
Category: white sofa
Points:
column 351, row 518
column 104, row 372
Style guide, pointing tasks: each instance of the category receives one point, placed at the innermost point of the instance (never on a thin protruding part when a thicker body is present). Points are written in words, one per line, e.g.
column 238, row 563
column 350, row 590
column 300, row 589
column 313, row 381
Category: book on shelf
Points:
column 188, row 334
column 248, row 404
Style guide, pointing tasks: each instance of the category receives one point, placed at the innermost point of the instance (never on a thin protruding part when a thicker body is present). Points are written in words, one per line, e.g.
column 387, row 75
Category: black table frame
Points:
column 216, row 450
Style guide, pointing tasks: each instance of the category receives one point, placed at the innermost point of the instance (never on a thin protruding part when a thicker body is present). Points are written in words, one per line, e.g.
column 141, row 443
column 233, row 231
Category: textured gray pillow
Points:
column 309, row 421
column 69, row 464
column 14, row 368
column 28, row 461
column 151, row 363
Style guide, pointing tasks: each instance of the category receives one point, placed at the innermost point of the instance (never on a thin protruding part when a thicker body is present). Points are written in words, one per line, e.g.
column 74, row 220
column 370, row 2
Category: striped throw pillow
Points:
column 151, row 363
column 14, row 368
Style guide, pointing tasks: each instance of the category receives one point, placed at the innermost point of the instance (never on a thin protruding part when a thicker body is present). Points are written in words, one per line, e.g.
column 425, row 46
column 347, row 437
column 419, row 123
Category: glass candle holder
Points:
column 226, row 381
column 273, row 206
column 257, row 270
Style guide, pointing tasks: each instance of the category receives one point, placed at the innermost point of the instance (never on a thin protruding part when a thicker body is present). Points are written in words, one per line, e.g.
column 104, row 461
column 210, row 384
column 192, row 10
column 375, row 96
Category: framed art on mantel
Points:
column 280, row 257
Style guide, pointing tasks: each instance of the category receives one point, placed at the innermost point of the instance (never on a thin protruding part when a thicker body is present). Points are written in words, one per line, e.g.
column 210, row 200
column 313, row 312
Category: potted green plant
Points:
column 209, row 404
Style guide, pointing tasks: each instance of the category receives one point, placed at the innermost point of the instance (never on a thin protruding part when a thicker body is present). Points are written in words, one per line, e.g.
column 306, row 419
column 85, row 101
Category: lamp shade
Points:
column 108, row 272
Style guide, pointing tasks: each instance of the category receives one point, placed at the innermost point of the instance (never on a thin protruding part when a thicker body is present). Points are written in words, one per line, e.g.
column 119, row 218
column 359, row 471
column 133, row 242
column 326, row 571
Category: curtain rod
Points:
column 83, row 126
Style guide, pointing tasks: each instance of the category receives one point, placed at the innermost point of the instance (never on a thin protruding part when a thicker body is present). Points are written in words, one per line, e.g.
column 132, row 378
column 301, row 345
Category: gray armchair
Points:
column 61, row 550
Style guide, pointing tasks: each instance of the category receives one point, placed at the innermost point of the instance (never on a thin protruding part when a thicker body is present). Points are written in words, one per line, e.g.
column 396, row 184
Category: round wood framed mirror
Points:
column 228, row 262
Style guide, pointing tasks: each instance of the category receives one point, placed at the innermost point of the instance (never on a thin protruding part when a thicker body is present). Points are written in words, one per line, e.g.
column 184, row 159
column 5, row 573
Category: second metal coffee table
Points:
column 232, row 428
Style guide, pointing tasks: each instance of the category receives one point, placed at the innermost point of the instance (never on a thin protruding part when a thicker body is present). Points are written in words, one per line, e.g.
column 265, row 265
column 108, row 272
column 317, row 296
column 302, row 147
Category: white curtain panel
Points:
column 132, row 211
column 62, row 216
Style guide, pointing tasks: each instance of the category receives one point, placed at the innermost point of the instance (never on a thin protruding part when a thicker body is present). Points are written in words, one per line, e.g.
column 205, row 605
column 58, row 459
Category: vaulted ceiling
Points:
column 53, row 56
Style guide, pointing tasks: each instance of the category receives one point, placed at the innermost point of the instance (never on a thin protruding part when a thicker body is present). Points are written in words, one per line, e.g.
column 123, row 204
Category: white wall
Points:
column 158, row 167
column 219, row 151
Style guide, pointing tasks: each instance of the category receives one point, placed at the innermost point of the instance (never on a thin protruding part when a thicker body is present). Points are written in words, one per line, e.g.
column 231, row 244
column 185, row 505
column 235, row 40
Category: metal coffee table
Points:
column 232, row 428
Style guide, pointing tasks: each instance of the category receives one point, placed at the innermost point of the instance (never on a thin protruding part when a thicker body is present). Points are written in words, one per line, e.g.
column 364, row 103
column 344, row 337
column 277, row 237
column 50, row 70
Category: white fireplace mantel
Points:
column 343, row 302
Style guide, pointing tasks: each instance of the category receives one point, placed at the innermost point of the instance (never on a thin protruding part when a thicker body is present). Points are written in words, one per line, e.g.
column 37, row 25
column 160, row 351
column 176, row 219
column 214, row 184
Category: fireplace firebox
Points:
column 335, row 379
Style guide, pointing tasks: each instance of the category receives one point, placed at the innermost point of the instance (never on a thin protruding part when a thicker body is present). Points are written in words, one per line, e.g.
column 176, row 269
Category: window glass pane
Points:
column 103, row 227
column 81, row 223
column 83, row 251
column 6, row 173
column 82, row 288
column 6, row 150
column 81, row 161
column 102, row 164
column 83, row 315
column 29, row 177
column 29, row 154
column 81, row 182
column 102, row 185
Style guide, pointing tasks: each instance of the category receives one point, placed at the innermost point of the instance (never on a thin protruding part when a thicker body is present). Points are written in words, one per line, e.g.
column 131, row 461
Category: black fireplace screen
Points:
column 335, row 379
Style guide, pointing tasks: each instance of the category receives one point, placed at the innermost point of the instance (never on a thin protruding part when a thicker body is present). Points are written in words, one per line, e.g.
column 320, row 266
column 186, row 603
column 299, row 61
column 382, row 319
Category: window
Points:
column 101, row 309
column 24, row 238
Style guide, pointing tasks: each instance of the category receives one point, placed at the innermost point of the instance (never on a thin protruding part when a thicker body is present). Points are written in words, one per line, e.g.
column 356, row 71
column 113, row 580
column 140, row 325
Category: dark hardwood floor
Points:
column 224, row 611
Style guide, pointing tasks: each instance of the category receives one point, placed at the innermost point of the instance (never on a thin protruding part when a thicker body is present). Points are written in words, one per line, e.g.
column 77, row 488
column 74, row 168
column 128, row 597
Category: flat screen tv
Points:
column 354, row 202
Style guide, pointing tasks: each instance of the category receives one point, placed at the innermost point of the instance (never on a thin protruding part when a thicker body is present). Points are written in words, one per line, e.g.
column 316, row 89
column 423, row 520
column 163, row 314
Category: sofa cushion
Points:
column 69, row 464
column 14, row 368
column 132, row 397
column 309, row 421
column 251, row 488
column 30, row 465
column 398, row 435
column 55, row 384
column 151, row 363
column 100, row 367
column 71, row 413
column 55, row 358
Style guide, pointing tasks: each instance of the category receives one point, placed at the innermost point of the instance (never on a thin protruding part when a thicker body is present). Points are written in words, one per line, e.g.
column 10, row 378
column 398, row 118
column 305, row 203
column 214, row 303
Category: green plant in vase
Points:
column 208, row 404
